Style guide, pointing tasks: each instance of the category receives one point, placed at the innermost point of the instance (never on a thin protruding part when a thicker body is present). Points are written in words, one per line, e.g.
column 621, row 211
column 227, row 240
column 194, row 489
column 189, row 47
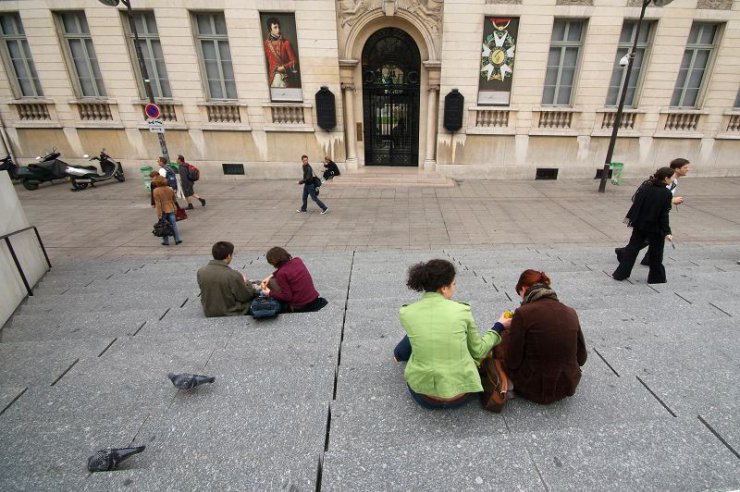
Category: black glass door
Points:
column 390, row 92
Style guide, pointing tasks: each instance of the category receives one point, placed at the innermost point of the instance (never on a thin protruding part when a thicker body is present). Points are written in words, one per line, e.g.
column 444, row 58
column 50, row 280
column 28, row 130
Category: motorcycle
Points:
column 7, row 164
column 82, row 176
column 49, row 169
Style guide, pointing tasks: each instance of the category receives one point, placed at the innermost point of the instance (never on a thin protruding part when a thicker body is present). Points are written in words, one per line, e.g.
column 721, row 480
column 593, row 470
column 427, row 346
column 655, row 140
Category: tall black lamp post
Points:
column 623, row 92
column 142, row 65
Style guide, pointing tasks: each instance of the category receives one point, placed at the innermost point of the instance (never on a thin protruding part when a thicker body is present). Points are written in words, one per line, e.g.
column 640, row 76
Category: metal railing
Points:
column 6, row 237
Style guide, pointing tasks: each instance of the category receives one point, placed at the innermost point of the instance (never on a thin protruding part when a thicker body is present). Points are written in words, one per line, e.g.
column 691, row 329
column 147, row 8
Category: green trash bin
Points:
column 616, row 168
column 145, row 170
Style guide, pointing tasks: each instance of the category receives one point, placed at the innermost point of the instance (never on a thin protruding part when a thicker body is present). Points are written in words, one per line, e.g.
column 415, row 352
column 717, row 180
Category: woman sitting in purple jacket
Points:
column 291, row 283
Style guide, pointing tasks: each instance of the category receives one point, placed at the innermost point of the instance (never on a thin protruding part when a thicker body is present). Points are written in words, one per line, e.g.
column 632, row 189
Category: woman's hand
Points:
column 266, row 291
column 504, row 320
column 669, row 237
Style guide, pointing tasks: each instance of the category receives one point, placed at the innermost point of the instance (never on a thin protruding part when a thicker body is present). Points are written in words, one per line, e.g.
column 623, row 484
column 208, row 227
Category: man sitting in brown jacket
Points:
column 223, row 291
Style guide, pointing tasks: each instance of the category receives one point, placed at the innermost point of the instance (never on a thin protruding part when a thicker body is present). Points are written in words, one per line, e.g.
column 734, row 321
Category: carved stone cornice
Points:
column 428, row 11
column 714, row 4
column 510, row 2
column 348, row 86
column 587, row 3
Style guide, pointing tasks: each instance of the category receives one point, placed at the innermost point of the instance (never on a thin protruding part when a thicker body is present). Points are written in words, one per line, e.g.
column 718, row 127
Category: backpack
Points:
column 171, row 178
column 264, row 307
column 193, row 173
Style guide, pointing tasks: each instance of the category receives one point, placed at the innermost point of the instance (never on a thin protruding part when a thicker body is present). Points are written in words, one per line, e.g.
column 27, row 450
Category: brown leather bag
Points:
column 495, row 384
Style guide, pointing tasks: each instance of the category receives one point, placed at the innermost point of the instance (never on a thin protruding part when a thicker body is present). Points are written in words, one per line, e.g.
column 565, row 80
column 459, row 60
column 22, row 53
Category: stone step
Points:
column 390, row 177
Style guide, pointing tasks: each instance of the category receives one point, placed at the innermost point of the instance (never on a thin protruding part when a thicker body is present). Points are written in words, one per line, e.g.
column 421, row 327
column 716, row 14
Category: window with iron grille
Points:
column 17, row 55
column 81, row 52
column 696, row 60
column 151, row 51
column 626, row 39
column 215, row 57
column 562, row 62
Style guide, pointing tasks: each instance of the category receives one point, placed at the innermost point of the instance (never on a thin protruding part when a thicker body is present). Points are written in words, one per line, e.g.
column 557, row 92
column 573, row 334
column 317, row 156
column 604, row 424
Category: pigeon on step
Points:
column 187, row 381
column 109, row 459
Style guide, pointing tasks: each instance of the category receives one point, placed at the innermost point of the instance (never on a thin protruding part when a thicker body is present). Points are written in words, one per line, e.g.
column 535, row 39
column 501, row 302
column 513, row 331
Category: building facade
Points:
column 470, row 89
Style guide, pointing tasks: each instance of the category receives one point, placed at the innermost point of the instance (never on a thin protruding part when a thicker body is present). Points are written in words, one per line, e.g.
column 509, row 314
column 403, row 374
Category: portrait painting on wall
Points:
column 281, row 55
column 497, row 60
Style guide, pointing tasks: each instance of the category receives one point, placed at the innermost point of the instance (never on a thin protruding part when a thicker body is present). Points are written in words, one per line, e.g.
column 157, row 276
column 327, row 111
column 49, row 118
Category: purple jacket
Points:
column 295, row 284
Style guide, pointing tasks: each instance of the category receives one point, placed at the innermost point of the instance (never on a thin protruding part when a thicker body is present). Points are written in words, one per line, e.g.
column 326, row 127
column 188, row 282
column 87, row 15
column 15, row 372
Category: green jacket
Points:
column 445, row 345
column 223, row 291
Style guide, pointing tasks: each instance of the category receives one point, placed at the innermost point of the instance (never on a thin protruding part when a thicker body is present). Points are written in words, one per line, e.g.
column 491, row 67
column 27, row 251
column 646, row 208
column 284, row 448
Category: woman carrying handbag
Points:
column 166, row 206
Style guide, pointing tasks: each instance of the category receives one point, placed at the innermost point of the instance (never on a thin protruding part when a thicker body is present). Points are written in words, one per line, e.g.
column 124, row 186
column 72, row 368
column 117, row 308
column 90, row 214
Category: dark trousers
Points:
column 639, row 240
column 310, row 190
column 315, row 305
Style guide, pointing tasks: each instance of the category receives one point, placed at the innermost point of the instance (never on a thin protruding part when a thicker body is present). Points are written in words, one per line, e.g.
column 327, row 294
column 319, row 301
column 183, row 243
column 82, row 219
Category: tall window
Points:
column 737, row 99
column 694, row 65
column 629, row 29
column 18, row 55
column 151, row 51
column 213, row 44
column 565, row 47
column 82, row 54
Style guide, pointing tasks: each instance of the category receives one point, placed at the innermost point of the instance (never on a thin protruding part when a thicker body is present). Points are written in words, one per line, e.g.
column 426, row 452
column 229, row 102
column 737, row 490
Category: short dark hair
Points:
column 277, row 256
column 222, row 249
column 162, row 159
column 430, row 276
column 180, row 157
column 679, row 163
column 304, row 156
column 271, row 21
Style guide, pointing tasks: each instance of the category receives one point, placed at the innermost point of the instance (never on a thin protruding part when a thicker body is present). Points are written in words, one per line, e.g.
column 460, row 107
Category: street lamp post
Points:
column 142, row 65
column 623, row 92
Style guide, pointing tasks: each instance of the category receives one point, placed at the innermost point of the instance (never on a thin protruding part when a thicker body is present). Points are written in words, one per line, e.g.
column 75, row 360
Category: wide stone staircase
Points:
column 314, row 401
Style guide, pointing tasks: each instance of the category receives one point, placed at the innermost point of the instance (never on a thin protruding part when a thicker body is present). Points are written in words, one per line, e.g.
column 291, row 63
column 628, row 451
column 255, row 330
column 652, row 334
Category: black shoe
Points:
column 190, row 206
column 177, row 242
column 619, row 252
column 202, row 201
column 615, row 277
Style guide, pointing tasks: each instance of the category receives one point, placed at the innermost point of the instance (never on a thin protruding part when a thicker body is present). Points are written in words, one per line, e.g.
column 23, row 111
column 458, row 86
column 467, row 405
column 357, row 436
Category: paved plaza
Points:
column 313, row 401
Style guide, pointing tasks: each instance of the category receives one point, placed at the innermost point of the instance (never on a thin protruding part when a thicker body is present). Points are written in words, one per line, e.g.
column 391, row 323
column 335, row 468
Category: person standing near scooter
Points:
column 187, row 183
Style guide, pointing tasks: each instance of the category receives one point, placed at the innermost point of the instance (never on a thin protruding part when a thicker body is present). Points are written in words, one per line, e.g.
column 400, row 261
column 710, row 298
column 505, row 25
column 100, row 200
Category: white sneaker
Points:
column 325, row 211
column 301, row 211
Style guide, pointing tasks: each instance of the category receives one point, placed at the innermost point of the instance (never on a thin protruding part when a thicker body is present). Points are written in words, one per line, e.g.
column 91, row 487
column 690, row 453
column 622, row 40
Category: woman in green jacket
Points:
column 442, row 344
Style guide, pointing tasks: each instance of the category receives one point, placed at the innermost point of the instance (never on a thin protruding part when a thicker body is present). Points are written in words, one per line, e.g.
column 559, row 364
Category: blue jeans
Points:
column 402, row 352
column 173, row 221
column 310, row 190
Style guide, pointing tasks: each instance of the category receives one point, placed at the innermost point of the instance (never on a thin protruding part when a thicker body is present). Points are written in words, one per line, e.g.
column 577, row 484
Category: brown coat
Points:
column 543, row 351
column 164, row 200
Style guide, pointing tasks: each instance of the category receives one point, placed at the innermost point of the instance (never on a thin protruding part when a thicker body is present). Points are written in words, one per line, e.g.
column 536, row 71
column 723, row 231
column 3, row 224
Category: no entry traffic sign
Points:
column 152, row 111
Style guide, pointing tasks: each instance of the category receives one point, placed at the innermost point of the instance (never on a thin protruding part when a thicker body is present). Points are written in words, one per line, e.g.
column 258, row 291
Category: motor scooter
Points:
column 82, row 176
column 49, row 169
column 7, row 164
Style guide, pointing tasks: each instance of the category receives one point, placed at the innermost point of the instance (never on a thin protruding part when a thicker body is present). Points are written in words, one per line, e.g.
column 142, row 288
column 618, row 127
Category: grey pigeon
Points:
column 187, row 381
column 109, row 459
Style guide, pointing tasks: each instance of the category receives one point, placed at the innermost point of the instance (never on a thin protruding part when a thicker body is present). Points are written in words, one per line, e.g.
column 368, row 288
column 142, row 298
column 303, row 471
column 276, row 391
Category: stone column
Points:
column 430, row 157
column 348, row 90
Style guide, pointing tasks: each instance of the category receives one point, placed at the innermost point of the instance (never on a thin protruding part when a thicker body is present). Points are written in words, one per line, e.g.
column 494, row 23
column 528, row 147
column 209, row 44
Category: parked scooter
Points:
column 49, row 169
column 82, row 176
column 7, row 164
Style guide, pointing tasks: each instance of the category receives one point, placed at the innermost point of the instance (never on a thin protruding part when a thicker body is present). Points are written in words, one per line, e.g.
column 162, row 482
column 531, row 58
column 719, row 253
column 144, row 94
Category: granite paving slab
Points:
column 452, row 462
column 70, row 318
column 54, row 456
column 725, row 422
column 43, row 363
column 9, row 395
column 676, row 454
column 20, row 332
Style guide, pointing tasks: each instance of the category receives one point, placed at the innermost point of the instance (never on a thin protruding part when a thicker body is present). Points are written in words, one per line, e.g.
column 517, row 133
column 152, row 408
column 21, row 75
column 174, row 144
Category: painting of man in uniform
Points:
column 281, row 56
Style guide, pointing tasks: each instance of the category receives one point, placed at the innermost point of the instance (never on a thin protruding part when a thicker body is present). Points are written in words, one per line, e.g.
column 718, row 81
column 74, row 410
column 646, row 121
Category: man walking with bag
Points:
column 309, row 188
column 187, row 179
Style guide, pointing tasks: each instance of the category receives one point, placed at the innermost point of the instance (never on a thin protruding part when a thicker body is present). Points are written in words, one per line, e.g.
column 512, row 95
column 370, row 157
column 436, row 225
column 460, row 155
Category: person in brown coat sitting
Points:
column 542, row 347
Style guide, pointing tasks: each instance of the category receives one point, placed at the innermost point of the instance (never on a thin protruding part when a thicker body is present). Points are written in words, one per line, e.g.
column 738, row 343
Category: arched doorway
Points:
column 390, row 93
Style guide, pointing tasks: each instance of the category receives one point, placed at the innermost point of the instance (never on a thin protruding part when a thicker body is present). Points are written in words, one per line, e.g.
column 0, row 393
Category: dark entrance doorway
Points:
column 390, row 95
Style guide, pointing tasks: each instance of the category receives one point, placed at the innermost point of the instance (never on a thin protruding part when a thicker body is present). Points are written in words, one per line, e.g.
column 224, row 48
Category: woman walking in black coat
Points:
column 648, row 218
